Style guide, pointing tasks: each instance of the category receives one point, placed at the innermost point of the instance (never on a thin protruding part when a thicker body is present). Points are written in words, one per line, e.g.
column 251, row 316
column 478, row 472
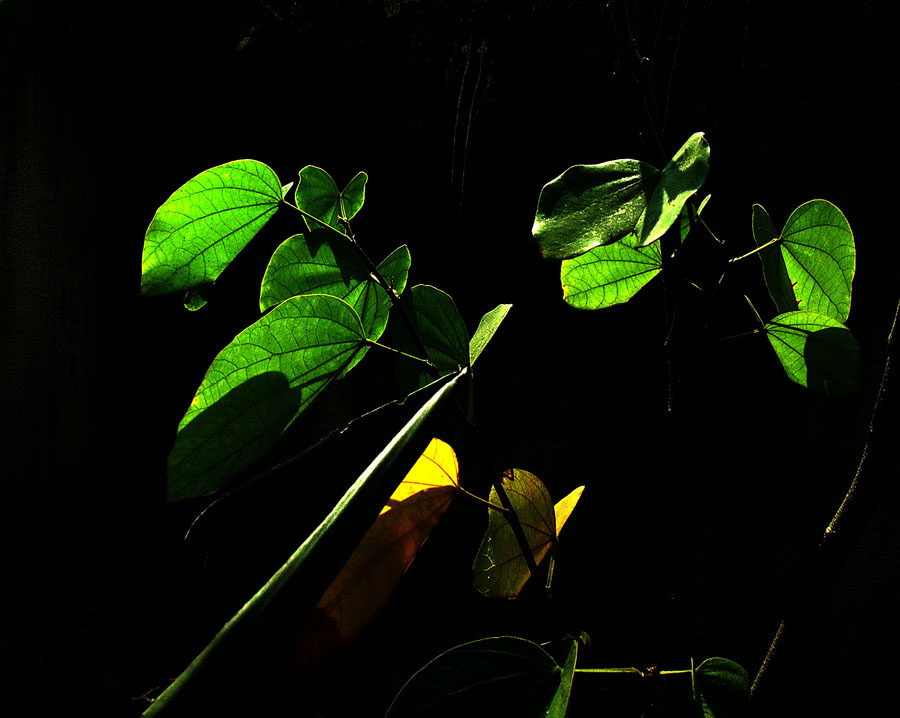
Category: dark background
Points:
column 459, row 112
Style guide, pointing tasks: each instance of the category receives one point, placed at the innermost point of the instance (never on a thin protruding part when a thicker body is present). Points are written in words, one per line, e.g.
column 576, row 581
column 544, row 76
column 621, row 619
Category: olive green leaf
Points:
column 774, row 271
column 318, row 195
column 816, row 351
column 721, row 688
column 206, row 222
column 681, row 177
column 500, row 569
column 257, row 386
column 591, row 205
column 560, row 703
column 820, row 258
column 501, row 676
column 610, row 274
column 488, row 325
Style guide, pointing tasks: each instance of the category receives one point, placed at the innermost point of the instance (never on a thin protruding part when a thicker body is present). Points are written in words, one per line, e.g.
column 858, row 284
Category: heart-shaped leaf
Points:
column 774, row 271
column 591, row 205
column 504, row 675
column 318, row 195
column 500, row 569
column 610, row 274
column 206, row 222
column 721, row 689
column 820, row 257
column 681, row 177
column 816, row 351
column 257, row 386
column 370, row 575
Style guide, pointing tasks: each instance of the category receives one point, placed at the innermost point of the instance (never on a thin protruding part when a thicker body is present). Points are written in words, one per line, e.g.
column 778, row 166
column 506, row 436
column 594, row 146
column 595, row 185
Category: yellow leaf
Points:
column 370, row 575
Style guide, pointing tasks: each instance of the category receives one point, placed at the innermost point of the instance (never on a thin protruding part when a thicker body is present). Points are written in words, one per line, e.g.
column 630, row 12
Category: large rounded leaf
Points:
column 257, row 386
column 196, row 233
column 502, row 676
column 318, row 195
column 816, row 351
column 774, row 271
column 610, row 274
column 591, row 205
column 681, row 177
column 820, row 258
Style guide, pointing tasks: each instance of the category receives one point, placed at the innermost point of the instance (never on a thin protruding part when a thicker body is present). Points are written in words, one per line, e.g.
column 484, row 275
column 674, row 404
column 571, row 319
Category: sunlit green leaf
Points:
column 500, row 569
column 591, row 205
column 257, row 386
column 439, row 325
column 488, row 325
column 560, row 703
column 816, row 351
column 721, row 689
column 206, row 222
column 502, row 676
column 610, row 274
column 820, row 257
column 774, row 272
column 318, row 195
column 681, row 177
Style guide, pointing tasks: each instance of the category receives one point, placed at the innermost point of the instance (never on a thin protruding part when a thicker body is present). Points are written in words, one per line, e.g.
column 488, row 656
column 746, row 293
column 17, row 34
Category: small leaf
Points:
column 774, row 272
column 257, row 386
column 500, row 569
column 721, row 689
column 488, row 325
column 206, row 222
column 502, row 676
column 682, row 177
column 560, row 703
column 591, row 205
column 370, row 575
column 318, row 195
column 816, row 351
column 197, row 298
column 609, row 275
column 820, row 257
column 438, row 323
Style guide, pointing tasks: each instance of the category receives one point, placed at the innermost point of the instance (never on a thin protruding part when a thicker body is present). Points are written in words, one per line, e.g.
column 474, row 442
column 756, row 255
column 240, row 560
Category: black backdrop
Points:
column 459, row 112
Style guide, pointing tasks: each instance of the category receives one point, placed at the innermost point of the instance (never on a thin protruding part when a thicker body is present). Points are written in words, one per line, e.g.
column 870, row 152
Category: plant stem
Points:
column 411, row 357
column 877, row 462
column 755, row 251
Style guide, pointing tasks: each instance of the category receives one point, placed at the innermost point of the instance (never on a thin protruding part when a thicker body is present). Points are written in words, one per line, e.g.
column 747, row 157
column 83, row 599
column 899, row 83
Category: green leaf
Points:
column 500, row 569
column 774, row 272
column 820, row 257
column 318, row 195
column 816, row 351
column 275, row 614
column 560, row 703
column 609, row 275
column 197, row 298
column 591, row 205
column 488, row 325
column 502, row 676
column 681, row 178
column 721, row 689
column 257, row 386
column 206, row 222
column 690, row 216
column 439, row 325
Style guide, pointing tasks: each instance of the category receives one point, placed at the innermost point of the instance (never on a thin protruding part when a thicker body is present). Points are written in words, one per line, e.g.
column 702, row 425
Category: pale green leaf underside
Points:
column 318, row 195
column 774, row 272
column 681, row 177
column 500, row 569
column 816, row 351
column 206, row 222
column 257, row 386
column 721, row 688
column 487, row 327
column 501, row 676
column 820, row 258
column 591, row 205
column 610, row 274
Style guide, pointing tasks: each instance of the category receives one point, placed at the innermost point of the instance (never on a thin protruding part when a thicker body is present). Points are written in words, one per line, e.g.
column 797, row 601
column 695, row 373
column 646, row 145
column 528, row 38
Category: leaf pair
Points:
column 605, row 221
column 500, row 569
column 808, row 269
